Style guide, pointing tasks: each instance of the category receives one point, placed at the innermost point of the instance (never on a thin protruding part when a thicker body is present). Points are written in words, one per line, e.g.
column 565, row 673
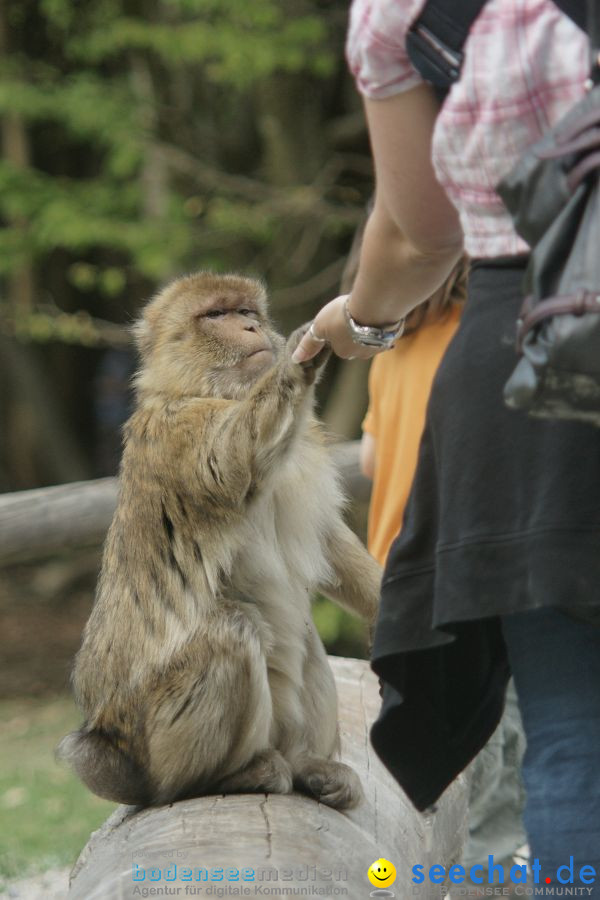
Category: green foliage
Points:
column 342, row 634
column 125, row 121
column 241, row 219
column 81, row 215
column 227, row 58
column 82, row 105
column 237, row 42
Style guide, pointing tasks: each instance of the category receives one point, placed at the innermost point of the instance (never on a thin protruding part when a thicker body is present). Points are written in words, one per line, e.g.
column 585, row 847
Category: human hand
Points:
column 330, row 325
column 311, row 364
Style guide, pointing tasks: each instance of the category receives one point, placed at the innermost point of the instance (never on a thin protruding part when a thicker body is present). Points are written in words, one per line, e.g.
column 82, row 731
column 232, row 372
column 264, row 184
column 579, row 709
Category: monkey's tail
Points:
column 104, row 768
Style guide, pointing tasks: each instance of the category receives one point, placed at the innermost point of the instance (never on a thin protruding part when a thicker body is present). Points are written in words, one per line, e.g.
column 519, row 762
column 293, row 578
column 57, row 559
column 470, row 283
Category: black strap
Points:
column 575, row 10
column 436, row 39
column 437, row 36
column 593, row 29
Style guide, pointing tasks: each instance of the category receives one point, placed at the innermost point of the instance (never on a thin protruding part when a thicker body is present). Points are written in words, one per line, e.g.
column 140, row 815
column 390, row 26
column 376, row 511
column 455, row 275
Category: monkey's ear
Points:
column 142, row 335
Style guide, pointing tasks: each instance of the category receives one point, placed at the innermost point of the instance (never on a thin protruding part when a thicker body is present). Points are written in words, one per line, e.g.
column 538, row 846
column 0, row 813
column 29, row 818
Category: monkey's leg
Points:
column 268, row 771
column 315, row 772
column 209, row 715
column 357, row 575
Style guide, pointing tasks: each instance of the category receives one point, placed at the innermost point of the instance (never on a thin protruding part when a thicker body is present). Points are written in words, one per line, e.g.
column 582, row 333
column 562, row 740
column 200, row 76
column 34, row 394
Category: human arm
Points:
column 370, row 424
column 413, row 236
column 368, row 452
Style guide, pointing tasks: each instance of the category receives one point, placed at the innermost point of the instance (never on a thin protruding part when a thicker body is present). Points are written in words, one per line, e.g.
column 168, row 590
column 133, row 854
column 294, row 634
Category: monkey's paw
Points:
column 268, row 771
column 332, row 783
column 311, row 367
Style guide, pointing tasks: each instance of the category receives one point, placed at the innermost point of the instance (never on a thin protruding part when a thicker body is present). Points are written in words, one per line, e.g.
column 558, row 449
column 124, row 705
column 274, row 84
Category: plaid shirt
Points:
column 525, row 66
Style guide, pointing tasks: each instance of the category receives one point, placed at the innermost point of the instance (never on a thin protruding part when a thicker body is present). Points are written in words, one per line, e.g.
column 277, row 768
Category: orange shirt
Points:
column 399, row 386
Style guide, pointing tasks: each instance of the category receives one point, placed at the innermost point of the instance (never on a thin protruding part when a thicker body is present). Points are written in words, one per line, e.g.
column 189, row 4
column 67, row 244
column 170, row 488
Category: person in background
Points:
column 497, row 566
column 399, row 387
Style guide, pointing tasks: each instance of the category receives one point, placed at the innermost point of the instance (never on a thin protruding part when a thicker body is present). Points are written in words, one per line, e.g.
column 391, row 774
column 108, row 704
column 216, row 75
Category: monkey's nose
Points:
column 251, row 328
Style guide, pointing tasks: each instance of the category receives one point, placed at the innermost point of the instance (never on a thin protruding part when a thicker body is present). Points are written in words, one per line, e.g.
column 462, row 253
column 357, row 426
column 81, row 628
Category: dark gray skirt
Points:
column 504, row 516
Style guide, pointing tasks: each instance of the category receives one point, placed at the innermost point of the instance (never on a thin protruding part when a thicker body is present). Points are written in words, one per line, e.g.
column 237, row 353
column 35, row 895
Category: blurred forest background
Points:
column 143, row 139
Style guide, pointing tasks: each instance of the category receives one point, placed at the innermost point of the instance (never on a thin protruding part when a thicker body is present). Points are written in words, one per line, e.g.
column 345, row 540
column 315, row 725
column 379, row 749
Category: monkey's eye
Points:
column 214, row 313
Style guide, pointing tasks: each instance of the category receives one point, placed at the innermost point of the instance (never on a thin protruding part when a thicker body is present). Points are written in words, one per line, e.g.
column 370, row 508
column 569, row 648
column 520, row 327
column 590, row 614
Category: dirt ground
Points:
column 43, row 609
column 50, row 885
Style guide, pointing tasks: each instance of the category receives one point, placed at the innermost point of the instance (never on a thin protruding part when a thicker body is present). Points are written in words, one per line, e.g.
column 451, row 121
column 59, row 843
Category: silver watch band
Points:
column 373, row 335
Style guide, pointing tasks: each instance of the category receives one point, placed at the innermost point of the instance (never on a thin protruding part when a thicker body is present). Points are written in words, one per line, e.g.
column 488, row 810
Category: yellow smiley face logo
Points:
column 382, row 873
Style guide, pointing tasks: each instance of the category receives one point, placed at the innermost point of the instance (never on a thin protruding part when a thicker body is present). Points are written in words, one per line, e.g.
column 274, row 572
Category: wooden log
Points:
column 283, row 846
column 38, row 523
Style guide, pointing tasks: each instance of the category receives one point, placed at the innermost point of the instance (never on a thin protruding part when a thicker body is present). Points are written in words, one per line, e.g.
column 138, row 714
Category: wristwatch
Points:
column 382, row 337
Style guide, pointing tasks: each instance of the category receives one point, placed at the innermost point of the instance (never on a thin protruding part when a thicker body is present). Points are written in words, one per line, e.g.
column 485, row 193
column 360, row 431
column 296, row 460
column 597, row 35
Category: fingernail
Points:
column 299, row 355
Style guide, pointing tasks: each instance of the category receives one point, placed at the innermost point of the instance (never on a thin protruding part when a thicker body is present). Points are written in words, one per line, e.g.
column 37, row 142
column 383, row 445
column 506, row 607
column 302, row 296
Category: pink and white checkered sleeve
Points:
column 375, row 46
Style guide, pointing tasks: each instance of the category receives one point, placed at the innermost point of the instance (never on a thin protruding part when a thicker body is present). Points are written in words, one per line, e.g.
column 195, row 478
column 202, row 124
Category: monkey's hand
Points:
column 311, row 367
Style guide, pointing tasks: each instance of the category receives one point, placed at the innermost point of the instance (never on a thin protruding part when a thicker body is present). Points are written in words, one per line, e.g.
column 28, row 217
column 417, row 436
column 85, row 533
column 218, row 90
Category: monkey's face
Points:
column 207, row 335
column 238, row 345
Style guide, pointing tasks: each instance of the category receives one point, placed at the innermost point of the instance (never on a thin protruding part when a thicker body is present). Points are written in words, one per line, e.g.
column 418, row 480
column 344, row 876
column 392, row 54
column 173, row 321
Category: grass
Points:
column 46, row 814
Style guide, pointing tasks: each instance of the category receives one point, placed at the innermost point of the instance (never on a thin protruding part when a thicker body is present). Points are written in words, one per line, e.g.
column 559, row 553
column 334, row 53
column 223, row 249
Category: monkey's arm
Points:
column 357, row 575
column 248, row 438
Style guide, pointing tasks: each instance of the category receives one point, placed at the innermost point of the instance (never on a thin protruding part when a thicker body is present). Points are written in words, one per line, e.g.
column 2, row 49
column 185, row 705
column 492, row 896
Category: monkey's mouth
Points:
column 267, row 349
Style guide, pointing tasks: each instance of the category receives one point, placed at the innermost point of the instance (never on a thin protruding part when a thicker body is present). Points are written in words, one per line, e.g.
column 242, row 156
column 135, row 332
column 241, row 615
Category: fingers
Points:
column 296, row 336
column 308, row 347
column 328, row 327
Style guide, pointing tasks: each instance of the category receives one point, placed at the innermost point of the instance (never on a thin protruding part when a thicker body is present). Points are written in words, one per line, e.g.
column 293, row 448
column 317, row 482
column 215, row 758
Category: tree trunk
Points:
column 37, row 446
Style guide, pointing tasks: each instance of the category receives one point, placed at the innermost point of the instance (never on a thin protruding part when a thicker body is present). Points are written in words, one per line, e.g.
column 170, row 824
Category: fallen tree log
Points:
column 38, row 523
column 284, row 846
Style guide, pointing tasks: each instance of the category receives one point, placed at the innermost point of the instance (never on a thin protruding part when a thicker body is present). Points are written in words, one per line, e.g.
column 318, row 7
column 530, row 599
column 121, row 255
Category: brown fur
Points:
column 200, row 669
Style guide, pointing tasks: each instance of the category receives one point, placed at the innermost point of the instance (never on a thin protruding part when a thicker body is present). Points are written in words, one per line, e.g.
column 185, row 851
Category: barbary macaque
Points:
column 201, row 670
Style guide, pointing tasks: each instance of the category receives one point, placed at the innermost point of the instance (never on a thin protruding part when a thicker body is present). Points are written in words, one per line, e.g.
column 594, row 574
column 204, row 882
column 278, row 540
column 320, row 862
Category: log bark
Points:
column 292, row 844
column 51, row 520
column 34, row 524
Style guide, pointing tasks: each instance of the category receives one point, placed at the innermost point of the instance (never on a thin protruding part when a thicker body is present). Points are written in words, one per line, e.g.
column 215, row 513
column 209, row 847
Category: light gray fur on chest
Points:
column 281, row 552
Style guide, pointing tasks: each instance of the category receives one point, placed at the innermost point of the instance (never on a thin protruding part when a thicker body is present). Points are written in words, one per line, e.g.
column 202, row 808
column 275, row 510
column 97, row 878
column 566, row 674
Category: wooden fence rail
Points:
column 37, row 523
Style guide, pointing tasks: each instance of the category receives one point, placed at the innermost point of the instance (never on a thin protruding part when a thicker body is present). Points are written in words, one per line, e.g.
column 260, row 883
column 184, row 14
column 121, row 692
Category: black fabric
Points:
column 589, row 23
column 437, row 36
column 439, row 708
column 577, row 10
column 504, row 516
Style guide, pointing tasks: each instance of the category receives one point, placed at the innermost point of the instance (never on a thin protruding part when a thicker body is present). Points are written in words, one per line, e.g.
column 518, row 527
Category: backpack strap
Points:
column 577, row 10
column 593, row 29
column 437, row 36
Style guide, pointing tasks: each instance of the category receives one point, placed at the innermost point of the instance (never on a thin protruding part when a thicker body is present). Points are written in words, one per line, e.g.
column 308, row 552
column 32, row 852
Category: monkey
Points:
column 200, row 669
